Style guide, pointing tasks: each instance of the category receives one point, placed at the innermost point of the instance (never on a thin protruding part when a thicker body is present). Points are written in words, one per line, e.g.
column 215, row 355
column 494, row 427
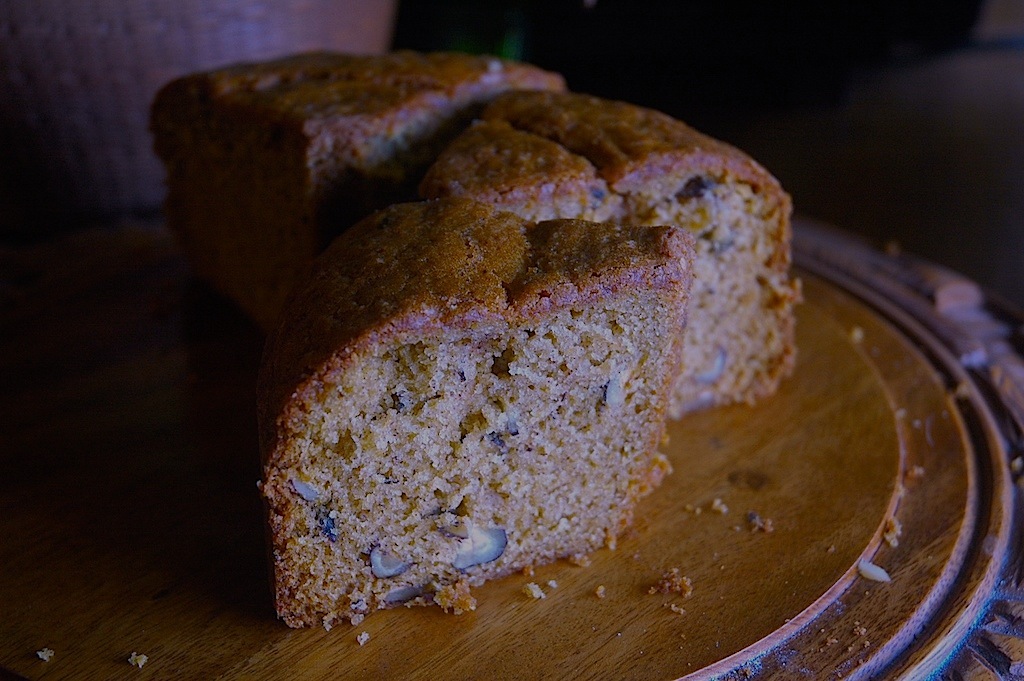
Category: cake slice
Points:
column 267, row 162
column 457, row 393
column 550, row 155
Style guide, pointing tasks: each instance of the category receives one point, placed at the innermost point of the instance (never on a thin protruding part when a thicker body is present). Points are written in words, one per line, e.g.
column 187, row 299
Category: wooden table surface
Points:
column 131, row 521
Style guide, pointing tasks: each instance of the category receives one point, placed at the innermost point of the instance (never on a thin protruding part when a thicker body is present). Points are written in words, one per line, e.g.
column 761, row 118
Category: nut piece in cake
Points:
column 506, row 341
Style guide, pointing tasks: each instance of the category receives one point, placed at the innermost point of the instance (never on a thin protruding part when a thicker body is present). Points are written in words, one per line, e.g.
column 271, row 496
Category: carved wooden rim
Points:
column 970, row 625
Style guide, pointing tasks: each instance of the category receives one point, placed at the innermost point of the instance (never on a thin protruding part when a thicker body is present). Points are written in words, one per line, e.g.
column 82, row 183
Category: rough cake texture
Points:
column 267, row 162
column 458, row 393
column 566, row 155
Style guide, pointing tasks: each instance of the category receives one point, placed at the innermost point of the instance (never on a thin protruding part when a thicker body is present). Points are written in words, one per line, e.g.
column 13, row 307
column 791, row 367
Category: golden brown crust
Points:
column 518, row 170
column 318, row 87
column 635, row 149
column 443, row 72
column 571, row 260
column 449, row 262
column 355, row 99
column 268, row 162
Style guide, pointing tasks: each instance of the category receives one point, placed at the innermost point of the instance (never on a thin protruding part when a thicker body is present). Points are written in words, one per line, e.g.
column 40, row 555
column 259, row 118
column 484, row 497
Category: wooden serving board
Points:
column 130, row 520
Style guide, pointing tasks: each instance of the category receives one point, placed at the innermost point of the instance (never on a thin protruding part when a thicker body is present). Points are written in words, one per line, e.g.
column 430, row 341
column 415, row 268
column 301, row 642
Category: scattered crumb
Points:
column 137, row 659
column 893, row 530
column 600, row 591
column 362, row 638
column 552, row 584
column 673, row 582
column 679, row 610
column 695, row 510
column 528, row 570
column 859, row 630
column 357, row 619
column 46, row 654
column 857, row 334
column 869, row 570
column 719, row 506
column 580, row 559
column 455, row 597
column 759, row 524
column 532, row 590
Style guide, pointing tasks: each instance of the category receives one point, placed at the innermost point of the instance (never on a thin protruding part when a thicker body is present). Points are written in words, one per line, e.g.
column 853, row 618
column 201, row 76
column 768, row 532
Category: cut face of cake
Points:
column 549, row 155
column 267, row 162
column 457, row 393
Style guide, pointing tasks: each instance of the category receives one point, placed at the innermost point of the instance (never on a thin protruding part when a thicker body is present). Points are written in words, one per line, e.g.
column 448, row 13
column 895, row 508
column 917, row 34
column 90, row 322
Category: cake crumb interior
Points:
column 462, row 457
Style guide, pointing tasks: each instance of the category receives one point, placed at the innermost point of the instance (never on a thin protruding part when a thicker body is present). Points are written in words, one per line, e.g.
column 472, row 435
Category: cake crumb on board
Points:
column 138, row 659
column 673, row 581
column 893, row 530
column 46, row 654
column 533, row 590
